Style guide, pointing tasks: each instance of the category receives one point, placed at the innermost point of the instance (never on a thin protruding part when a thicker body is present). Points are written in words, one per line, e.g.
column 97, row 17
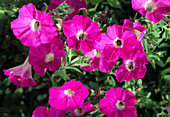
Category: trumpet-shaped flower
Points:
column 118, row 43
column 137, row 29
column 118, row 103
column 132, row 68
column 33, row 27
column 81, row 33
column 47, row 56
column 21, row 75
column 153, row 9
column 70, row 96
column 42, row 111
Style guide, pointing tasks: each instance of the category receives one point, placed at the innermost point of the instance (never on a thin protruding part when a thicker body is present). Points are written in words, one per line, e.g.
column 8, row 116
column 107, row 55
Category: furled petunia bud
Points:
column 21, row 75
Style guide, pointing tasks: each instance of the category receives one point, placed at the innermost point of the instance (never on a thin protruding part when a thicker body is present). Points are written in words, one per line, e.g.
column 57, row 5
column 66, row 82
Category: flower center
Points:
column 150, row 6
column 120, row 105
column 130, row 65
column 79, row 112
column 81, row 35
column 118, row 43
column 35, row 25
column 69, row 92
column 97, row 53
column 49, row 57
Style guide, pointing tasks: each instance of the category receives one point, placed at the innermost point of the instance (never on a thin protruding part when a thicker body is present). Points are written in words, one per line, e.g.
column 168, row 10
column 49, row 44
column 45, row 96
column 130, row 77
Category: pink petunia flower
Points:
column 70, row 96
column 33, row 27
column 118, row 103
column 132, row 68
column 47, row 56
column 21, row 75
column 137, row 29
column 41, row 111
column 80, row 111
column 81, row 33
column 118, row 43
column 153, row 9
column 73, row 9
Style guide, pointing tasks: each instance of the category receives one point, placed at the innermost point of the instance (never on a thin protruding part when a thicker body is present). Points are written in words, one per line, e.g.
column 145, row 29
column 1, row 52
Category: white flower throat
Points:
column 35, row 25
column 150, row 6
column 49, row 57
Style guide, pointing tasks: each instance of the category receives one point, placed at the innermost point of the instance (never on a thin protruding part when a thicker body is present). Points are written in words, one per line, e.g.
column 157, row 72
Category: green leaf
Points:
column 114, row 3
column 152, row 63
column 75, row 69
column 46, row 7
column 167, row 61
column 167, row 78
column 94, row 2
column 61, row 9
column 75, row 60
column 61, row 73
column 160, row 62
column 148, row 103
column 84, row 64
column 165, row 71
column 2, row 14
column 94, row 85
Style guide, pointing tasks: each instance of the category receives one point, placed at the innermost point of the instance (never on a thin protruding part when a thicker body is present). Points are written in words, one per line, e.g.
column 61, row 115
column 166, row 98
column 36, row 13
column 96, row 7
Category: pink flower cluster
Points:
column 153, row 9
column 68, row 98
column 36, row 30
column 104, row 49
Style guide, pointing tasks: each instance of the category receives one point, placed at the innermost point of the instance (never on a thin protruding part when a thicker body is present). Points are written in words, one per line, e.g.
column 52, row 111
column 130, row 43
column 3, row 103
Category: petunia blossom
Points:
column 153, row 9
column 70, row 96
column 80, row 111
column 118, row 103
column 81, row 33
column 132, row 68
column 41, row 111
column 137, row 29
column 118, row 43
column 33, row 27
column 21, row 75
column 47, row 56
